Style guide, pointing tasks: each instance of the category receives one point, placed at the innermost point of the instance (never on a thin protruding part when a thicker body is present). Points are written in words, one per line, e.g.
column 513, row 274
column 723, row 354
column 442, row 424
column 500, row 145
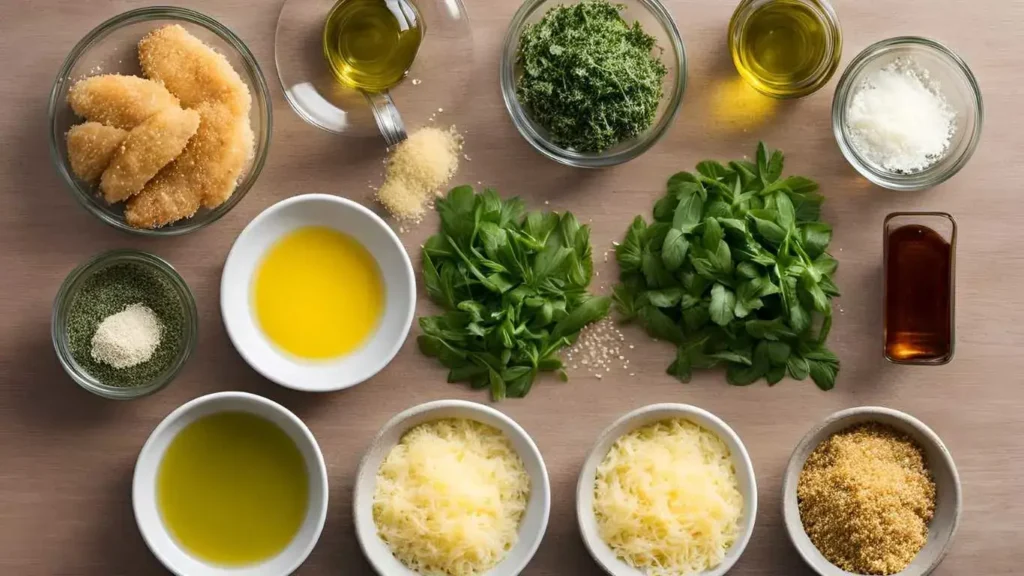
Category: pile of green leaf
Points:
column 514, row 289
column 588, row 76
column 734, row 270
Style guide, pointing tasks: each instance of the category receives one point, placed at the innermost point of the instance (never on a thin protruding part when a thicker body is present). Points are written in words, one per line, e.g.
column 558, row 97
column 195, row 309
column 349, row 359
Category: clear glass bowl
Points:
column 66, row 296
column 437, row 87
column 829, row 20
column 656, row 21
column 110, row 48
column 957, row 84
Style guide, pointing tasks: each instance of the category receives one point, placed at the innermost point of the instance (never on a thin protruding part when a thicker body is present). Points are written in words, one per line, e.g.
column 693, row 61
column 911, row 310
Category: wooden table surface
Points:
column 66, row 456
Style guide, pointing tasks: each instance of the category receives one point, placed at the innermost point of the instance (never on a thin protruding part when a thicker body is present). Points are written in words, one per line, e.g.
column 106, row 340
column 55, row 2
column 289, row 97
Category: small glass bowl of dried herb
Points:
column 124, row 324
column 593, row 83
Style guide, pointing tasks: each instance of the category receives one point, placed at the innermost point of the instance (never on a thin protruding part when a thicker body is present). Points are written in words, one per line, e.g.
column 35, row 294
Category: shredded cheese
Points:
column 667, row 500
column 449, row 498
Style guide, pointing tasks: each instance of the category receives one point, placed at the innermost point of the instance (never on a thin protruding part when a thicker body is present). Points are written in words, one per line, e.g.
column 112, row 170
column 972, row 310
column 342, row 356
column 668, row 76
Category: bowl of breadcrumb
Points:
column 160, row 121
column 871, row 490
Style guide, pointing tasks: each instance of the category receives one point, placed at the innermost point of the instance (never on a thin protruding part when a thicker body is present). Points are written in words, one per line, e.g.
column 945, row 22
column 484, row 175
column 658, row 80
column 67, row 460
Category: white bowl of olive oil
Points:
column 230, row 484
column 317, row 293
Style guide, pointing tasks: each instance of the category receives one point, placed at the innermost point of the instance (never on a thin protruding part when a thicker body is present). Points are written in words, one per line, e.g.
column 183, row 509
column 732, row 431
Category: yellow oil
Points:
column 371, row 44
column 782, row 47
column 318, row 293
column 232, row 489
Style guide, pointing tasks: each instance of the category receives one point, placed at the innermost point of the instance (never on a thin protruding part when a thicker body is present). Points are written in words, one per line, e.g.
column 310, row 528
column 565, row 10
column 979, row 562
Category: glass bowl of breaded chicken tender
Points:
column 160, row 121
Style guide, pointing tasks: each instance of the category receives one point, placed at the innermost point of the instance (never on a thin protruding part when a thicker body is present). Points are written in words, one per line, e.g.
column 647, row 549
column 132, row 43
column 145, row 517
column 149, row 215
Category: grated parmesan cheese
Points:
column 667, row 500
column 417, row 169
column 899, row 118
column 449, row 497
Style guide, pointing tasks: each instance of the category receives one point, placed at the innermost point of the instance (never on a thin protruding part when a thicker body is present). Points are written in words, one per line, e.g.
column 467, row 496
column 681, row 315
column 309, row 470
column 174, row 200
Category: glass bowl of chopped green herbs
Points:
column 124, row 324
column 591, row 83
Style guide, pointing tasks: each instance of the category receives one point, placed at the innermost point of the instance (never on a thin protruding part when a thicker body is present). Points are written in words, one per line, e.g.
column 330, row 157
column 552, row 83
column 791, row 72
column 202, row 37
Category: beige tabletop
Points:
column 66, row 456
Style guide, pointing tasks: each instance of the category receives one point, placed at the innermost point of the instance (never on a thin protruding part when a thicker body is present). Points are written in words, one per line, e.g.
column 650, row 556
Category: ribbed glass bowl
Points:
column 957, row 83
column 111, row 48
column 69, row 291
column 656, row 21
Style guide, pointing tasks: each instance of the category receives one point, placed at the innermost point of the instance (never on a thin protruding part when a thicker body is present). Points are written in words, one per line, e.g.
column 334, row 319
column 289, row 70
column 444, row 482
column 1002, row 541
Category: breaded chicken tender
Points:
column 205, row 174
column 148, row 147
column 119, row 101
column 91, row 146
column 193, row 71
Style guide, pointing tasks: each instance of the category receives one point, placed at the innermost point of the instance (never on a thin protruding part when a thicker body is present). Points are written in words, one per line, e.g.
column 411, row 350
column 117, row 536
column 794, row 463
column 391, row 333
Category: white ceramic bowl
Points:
column 533, row 524
column 147, row 515
column 948, row 503
column 601, row 552
column 236, row 293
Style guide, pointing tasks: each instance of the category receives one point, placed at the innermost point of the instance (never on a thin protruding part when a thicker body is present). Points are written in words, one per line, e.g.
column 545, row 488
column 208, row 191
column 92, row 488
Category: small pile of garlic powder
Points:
column 899, row 118
column 127, row 338
column 418, row 169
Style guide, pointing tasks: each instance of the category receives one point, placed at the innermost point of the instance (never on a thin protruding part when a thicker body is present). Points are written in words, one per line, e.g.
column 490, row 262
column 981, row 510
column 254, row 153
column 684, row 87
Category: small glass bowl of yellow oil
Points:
column 785, row 48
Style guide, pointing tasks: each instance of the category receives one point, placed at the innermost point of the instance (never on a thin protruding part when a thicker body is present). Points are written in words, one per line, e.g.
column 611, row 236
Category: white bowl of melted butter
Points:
column 317, row 293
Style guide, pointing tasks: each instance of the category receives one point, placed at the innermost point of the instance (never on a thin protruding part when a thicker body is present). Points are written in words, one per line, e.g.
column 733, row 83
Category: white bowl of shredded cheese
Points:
column 454, row 485
column 695, row 476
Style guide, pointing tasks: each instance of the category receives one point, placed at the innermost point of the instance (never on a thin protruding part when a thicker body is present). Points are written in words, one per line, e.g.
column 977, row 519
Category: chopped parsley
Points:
column 589, row 77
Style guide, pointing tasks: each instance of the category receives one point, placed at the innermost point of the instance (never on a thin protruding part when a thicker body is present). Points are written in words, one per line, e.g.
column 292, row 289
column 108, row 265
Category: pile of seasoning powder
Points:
column 125, row 325
column 866, row 497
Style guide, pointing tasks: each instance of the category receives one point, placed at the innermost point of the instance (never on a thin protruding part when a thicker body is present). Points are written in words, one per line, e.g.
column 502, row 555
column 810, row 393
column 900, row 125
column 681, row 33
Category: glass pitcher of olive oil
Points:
column 370, row 46
column 343, row 64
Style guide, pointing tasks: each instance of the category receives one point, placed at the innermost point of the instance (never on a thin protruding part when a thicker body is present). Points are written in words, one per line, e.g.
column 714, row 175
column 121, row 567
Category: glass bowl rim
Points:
column 931, row 176
column 262, row 97
column 69, row 289
column 824, row 73
column 641, row 143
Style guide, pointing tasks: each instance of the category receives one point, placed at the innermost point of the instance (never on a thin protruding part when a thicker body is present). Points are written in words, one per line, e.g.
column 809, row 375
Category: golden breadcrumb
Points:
column 91, row 146
column 205, row 174
column 193, row 71
column 149, row 147
column 417, row 169
column 119, row 101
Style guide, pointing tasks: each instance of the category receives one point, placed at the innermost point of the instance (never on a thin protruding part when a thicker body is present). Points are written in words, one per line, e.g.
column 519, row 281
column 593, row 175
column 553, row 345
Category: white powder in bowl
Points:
column 899, row 118
column 127, row 338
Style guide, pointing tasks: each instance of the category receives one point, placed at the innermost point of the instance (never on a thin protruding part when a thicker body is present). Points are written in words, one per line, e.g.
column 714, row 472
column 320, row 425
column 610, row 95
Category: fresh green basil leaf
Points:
column 762, row 163
column 799, row 318
column 674, row 249
column 665, row 208
column 665, row 298
column 659, row 325
column 723, row 302
column 786, row 211
column 768, row 329
column 688, row 212
column 733, row 356
column 798, row 368
column 770, row 231
column 775, row 165
column 816, row 238
column 713, row 234
column 712, row 169
column 654, row 271
column 775, row 374
column 587, row 312
column 696, row 317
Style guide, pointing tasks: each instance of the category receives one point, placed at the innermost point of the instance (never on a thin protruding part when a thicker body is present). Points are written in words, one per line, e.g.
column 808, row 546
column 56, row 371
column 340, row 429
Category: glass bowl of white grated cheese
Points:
column 907, row 113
